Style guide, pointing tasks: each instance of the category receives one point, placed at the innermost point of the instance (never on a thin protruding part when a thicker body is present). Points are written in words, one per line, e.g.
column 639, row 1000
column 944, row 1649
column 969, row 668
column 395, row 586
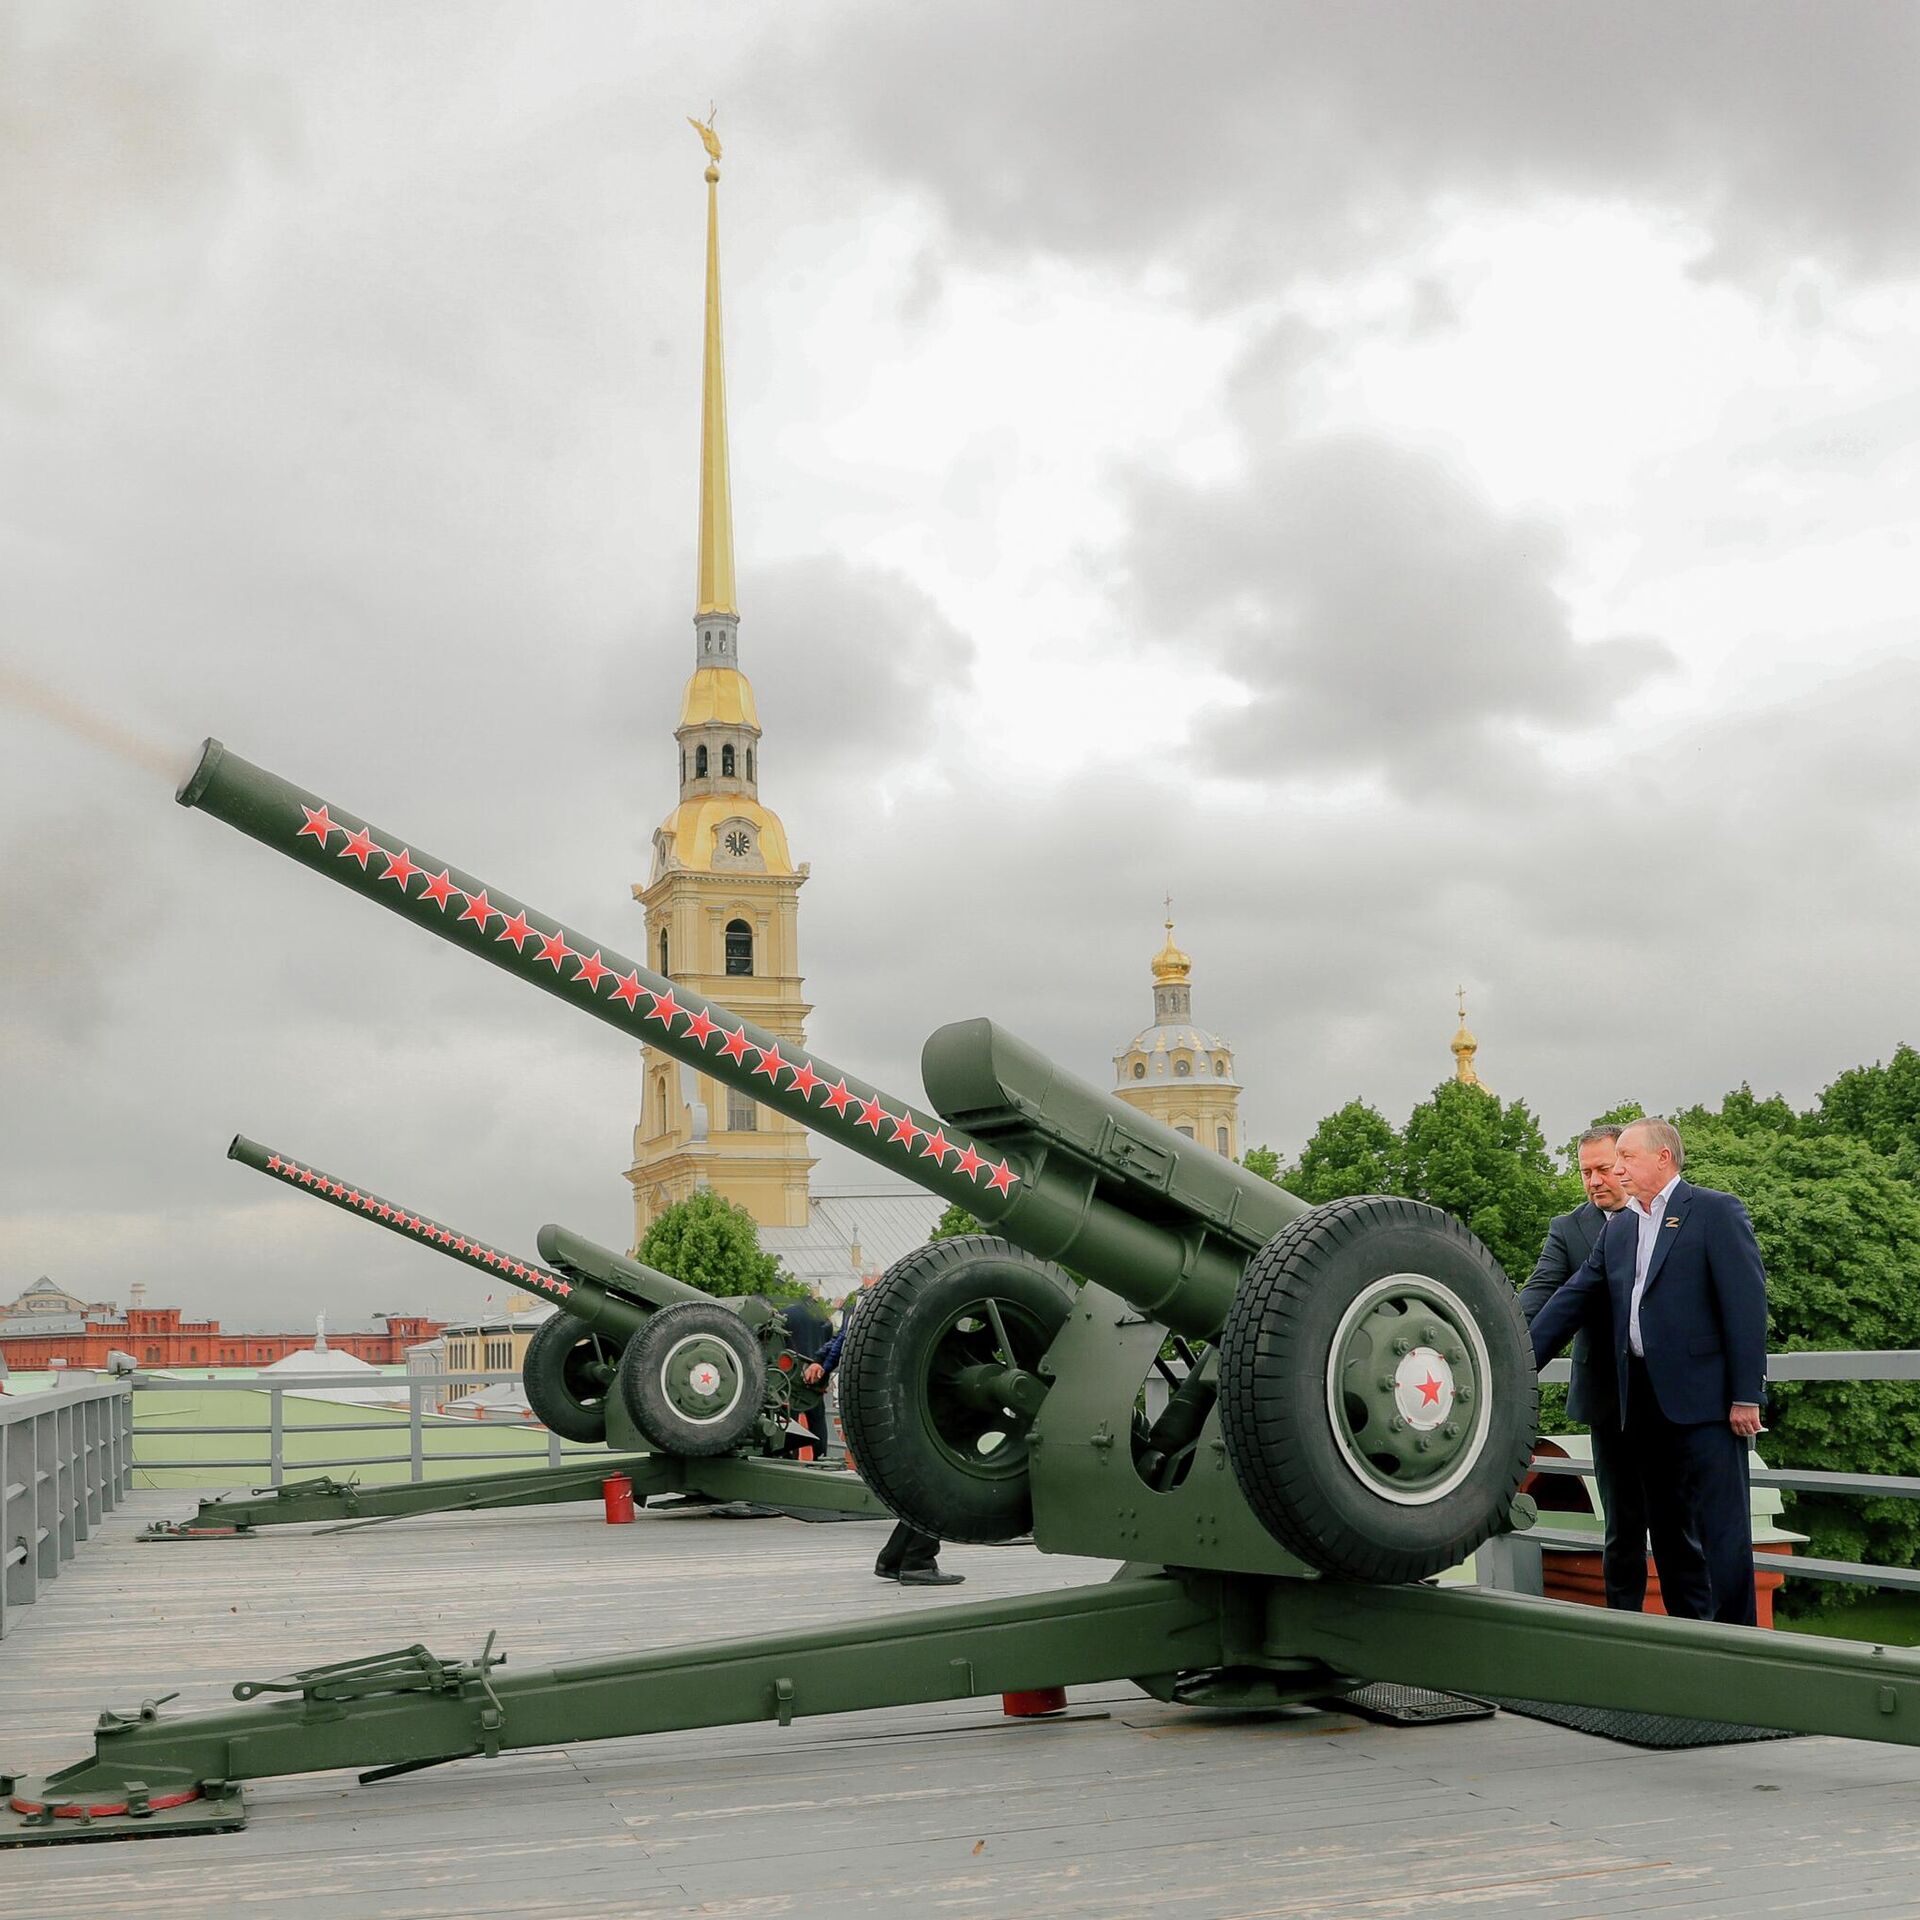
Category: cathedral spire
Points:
column 714, row 589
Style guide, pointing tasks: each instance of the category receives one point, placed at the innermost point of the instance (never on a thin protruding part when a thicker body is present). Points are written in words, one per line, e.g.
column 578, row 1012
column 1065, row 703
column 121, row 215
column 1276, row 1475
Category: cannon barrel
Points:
column 588, row 1299
column 1067, row 1172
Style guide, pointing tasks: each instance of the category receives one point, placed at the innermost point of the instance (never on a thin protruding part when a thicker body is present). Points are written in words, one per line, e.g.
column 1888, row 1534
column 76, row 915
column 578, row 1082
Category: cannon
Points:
column 693, row 1379
column 1352, row 1414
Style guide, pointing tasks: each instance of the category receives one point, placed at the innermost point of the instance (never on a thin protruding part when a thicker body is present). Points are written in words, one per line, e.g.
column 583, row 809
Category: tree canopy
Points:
column 712, row 1244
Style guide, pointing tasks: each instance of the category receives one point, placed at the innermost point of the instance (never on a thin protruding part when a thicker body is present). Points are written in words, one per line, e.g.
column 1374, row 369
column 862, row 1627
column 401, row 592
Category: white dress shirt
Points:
column 1649, row 1219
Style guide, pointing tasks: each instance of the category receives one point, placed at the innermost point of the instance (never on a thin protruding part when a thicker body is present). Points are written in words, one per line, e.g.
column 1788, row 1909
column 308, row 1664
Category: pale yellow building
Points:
column 1176, row 1071
column 722, row 898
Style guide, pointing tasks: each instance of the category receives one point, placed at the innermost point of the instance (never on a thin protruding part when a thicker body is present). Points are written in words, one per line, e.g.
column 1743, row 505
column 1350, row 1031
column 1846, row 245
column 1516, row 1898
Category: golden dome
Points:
column 1464, row 1047
column 1170, row 964
column 719, row 696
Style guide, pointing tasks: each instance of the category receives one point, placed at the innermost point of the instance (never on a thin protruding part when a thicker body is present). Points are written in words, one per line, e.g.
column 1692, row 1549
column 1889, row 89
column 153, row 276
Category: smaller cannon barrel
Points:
column 603, row 1307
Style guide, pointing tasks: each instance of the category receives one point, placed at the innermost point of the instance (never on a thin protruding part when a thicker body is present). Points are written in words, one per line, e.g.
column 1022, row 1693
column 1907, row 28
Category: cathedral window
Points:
column 699, row 763
column 1220, row 1069
column 743, row 1112
column 683, row 766
column 1220, row 1139
column 1187, row 1132
column 749, row 763
column 664, row 968
column 739, row 947
column 726, row 761
column 1182, row 1068
column 1139, row 1069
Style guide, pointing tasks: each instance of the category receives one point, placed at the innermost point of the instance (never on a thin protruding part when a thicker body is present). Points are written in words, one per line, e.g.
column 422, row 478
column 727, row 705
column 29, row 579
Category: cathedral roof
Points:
column 694, row 828
column 719, row 696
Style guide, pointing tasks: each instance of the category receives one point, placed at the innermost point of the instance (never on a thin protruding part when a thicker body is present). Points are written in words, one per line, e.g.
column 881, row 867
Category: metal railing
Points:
column 1514, row 1561
column 543, row 1448
column 66, row 1461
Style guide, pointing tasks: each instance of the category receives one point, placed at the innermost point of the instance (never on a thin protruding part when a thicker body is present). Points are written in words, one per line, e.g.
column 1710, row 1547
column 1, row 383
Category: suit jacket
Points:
column 1571, row 1237
column 1703, row 1316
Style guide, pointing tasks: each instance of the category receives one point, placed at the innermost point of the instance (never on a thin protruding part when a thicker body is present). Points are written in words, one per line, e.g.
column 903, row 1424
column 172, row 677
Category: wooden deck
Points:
column 943, row 1813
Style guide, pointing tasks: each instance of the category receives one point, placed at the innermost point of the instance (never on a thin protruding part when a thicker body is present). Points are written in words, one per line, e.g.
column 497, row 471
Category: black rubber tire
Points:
column 563, row 1396
column 887, row 1366
column 1274, row 1413
column 642, row 1380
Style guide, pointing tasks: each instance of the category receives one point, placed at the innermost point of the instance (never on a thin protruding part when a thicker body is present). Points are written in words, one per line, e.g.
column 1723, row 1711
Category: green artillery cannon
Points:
column 710, row 1388
column 1358, row 1417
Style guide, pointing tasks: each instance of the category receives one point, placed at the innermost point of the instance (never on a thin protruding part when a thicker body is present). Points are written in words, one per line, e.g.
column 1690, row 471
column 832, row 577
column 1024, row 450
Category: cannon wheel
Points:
column 1377, row 1391
column 693, row 1379
column 940, row 1456
column 566, row 1374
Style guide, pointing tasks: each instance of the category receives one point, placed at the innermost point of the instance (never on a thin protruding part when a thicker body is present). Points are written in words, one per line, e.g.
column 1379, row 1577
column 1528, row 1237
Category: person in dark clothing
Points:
column 1678, row 1276
column 909, row 1556
column 1594, row 1396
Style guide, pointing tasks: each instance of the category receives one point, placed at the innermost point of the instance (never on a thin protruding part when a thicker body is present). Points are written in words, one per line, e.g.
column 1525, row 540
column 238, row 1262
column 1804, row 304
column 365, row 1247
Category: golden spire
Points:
column 1465, row 1046
column 1170, row 964
column 714, row 592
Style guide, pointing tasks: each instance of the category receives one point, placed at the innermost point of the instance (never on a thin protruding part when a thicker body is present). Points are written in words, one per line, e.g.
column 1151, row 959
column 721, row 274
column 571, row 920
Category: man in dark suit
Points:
column 1594, row 1396
column 1678, row 1282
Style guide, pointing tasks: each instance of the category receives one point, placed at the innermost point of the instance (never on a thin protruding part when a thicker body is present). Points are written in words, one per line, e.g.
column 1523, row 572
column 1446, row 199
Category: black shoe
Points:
column 930, row 1577
column 885, row 1573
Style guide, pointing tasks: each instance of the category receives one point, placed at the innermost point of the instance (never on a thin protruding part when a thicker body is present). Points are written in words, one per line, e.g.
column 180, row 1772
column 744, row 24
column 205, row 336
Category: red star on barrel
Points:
column 273, row 1164
column 665, row 1007
column 771, row 1064
column 307, row 1176
column 1429, row 1392
column 904, row 1129
column 553, row 950
column 592, row 970
column 317, row 824
column 561, row 1287
column 386, row 1212
column 400, row 867
column 735, row 1045
column 360, row 847
column 460, row 1245
column 969, row 1162
column 479, row 908
column 626, row 988
column 439, row 889
column 699, row 1025
column 938, row 1146
column 804, row 1080
column 518, row 931
column 1001, row 1179
column 872, row 1113
column 837, row 1097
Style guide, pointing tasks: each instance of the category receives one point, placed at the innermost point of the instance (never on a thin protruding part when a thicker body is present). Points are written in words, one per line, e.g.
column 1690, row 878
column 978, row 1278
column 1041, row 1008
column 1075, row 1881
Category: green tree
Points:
column 712, row 1244
column 1880, row 1105
column 1485, row 1162
column 1263, row 1161
column 1352, row 1151
column 1839, row 1230
column 954, row 1222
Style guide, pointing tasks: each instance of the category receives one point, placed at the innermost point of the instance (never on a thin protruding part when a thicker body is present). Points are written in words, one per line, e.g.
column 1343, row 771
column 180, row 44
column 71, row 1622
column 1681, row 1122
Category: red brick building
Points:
column 158, row 1337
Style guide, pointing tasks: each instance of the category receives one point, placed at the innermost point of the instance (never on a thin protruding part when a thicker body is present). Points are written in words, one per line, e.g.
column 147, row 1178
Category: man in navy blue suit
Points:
column 1677, row 1289
column 1594, row 1396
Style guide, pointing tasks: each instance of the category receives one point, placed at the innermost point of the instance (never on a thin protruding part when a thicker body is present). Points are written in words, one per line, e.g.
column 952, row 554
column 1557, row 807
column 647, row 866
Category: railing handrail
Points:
column 39, row 1400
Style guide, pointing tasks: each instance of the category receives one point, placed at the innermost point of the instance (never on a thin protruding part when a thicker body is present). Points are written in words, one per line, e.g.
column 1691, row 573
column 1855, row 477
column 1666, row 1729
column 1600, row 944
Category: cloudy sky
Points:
column 1431, row 486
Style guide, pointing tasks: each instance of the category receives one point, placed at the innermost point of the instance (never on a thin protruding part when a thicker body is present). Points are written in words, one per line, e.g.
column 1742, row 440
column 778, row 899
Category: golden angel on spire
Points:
column 708, row 138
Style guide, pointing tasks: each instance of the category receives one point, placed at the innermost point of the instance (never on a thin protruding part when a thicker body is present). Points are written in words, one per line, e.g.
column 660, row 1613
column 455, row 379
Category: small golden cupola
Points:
column 1176, row 1071
column 1465, row 1047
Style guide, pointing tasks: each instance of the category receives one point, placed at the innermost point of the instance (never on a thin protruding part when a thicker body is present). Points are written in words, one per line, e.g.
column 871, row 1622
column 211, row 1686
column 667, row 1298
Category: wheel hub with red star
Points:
column 1406, row 1389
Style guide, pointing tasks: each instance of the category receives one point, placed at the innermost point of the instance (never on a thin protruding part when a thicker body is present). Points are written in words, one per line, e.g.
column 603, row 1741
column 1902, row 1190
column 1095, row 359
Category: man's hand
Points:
column 1744, row 1419
column 813, row 1373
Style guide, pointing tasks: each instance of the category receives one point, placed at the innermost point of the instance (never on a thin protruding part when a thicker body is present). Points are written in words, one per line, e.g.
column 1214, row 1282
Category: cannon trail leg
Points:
column 1464, row 1640
column 302, row 1502
column 406, row 1709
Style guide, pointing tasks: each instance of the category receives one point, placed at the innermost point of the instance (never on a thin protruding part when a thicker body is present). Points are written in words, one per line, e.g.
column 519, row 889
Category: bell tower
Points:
column 722, row 898
column 1179, row 1072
